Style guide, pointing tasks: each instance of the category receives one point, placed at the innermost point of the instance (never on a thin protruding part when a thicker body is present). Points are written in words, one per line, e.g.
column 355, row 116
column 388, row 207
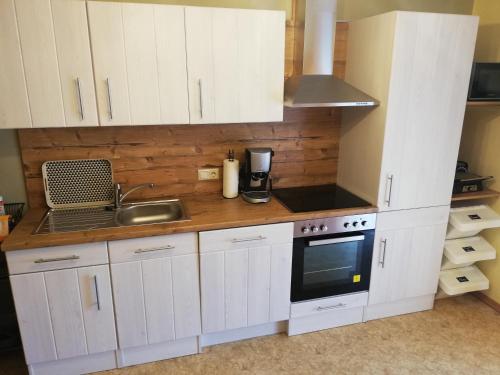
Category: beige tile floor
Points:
column 460, row 336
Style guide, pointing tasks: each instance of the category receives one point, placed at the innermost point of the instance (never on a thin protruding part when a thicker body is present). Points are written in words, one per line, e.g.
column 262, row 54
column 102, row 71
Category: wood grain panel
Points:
column 306, row 144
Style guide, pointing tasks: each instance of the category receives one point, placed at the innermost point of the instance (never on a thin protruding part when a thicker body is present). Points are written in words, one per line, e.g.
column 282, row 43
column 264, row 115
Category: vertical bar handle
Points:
column 390, row 179
column 80, row 102
column 382, row 252
column 110, row 105
column 96, row 286
column 201, row 97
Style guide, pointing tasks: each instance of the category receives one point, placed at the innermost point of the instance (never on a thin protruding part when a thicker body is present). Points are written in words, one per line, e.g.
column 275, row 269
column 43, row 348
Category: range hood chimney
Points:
column 317, row 87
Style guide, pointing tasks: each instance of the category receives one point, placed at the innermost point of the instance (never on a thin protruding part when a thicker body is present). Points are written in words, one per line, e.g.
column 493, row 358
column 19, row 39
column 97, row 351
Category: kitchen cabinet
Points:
column 156, row 289
column 64, row 313
column 402, row 154
column 14, row 105
column 236, row 71
column 245, row 276
column 48, row 74
column 139, row 63
column 407, row 255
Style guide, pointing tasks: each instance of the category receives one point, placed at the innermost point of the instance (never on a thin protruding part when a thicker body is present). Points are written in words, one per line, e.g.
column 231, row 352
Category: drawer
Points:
column 322, row 305
column 238, row 238
column 152, row 247
column 56, row 258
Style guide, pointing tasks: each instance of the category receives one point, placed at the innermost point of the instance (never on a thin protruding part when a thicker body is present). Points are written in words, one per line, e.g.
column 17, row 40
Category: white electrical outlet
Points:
column 208, row 174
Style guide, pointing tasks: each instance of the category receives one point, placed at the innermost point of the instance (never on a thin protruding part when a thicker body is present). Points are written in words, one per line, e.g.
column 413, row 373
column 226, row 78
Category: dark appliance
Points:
column 485, row 82
column 332, row 256
column 255, row 178
column 318, row 198
column 465, row 181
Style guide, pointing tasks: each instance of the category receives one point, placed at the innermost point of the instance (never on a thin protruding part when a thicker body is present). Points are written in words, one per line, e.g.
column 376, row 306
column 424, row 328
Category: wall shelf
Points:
column 483, row 104
column 486, row 193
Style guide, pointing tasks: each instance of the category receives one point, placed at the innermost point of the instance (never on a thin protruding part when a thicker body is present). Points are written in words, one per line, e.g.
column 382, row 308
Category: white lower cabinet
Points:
column 407, row 257
column 65, row 317
column 156, row 294
column 245, row 276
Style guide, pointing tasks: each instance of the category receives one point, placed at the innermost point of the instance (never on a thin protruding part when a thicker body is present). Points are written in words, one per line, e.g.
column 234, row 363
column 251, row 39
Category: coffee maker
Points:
column 255, row 180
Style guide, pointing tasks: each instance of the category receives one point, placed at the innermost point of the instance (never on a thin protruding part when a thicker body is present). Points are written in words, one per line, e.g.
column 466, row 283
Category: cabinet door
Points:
column 200, row 65
column 108, row 52
column 245, row 287
column 172, row 70
column 65, row 313
column 156, row 300
column 14, row 106
column 36, row 31
column 33, row 316
column 431, row 66
column 75, row 62
column 407, row 254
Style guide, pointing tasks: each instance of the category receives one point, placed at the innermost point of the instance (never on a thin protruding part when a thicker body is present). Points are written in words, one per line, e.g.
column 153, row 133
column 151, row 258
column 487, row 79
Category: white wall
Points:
column 11, row 170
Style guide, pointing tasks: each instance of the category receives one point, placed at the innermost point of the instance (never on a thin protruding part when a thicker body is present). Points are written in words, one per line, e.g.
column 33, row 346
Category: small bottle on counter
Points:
column 2, row 206
column 230, row 176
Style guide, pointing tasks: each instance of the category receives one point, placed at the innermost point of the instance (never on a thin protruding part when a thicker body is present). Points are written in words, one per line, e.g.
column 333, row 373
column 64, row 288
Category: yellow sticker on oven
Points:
column 356, row 278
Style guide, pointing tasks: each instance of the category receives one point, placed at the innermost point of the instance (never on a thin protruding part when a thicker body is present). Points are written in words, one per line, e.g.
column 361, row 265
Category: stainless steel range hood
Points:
column 317, row 87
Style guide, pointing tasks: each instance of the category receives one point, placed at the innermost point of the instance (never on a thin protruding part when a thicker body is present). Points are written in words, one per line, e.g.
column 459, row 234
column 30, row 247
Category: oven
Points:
column 332, row 256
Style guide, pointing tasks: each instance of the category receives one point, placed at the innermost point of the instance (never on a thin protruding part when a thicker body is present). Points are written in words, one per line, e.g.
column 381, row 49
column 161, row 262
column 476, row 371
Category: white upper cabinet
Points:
column 75, row 62
column 36, row 31
column 47, row 79
column 402, row 154
column 235, row 60
column 139, row 63
column 14, row 105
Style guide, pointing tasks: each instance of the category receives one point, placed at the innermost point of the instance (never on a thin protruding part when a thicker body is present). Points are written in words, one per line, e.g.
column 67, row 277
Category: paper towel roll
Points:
column 230, row 178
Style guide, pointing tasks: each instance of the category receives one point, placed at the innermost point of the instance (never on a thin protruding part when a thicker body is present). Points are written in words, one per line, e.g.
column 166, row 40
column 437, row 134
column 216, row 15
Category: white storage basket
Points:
column 469, row 221
column 466, row 251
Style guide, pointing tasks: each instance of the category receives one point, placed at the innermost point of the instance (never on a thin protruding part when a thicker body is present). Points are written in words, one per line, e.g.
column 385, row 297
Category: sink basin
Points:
column 150, row 213
column 89, row 218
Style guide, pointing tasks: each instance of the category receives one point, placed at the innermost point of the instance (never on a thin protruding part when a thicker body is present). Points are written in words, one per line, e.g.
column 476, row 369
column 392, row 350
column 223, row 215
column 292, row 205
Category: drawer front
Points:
column 56, row 258
column 322, row 305
column 152, row 247
column 238, row 238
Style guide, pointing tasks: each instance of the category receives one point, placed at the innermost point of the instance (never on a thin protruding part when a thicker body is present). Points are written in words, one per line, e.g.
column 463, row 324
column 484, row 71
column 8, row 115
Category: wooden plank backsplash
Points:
column 305, row 145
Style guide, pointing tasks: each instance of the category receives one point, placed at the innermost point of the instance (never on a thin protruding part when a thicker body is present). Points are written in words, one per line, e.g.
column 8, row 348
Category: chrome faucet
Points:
column 119, row 196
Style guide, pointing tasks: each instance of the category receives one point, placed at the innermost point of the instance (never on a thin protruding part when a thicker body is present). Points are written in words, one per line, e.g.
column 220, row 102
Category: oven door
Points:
column 330, row 265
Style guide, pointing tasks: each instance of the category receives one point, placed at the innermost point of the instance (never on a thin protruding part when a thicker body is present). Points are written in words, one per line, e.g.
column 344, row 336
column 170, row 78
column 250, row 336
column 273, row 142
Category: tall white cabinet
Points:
column 401, row 156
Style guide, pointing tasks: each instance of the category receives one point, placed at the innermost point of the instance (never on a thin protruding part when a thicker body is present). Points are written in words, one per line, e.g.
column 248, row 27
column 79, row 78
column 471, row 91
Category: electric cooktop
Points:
column 318, row 198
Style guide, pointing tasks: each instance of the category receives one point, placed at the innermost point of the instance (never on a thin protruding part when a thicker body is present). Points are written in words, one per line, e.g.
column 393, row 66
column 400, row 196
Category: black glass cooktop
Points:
column 318, row 198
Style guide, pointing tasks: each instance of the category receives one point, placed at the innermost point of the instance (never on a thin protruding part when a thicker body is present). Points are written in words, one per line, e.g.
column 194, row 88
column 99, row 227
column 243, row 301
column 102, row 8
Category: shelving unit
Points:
column 484, row 194
column 483, row 104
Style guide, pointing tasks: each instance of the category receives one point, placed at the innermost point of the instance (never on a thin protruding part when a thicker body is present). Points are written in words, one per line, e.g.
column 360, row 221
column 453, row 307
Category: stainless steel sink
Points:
column 136, row 213
column 150, row 213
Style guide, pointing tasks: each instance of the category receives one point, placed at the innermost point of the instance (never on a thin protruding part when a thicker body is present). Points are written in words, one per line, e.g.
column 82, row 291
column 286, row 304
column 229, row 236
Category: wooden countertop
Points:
column 207, row 213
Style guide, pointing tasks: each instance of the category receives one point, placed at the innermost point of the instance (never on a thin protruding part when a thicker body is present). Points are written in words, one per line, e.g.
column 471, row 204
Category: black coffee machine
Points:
column 255, row 179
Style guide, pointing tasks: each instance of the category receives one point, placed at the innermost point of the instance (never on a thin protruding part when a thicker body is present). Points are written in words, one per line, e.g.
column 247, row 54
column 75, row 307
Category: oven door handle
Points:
column 336, row 240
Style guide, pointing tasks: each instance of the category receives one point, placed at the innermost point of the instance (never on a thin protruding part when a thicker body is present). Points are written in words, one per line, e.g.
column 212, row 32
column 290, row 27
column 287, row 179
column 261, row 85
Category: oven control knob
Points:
column 355, row 224
column 314, row 229
column 347, row 225
column 363, row 223
column 305, row 230
column 323, row 228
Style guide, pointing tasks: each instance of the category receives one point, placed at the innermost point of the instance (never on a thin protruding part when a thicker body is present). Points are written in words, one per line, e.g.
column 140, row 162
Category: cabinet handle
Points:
column 80, row 102
column 201, row 97
column 44, row 260
column 390, row 179
column 110, row 105
column 96, row 286
column 337, row 306
column 382, row 253
column 140, row 251
column 258, row 238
